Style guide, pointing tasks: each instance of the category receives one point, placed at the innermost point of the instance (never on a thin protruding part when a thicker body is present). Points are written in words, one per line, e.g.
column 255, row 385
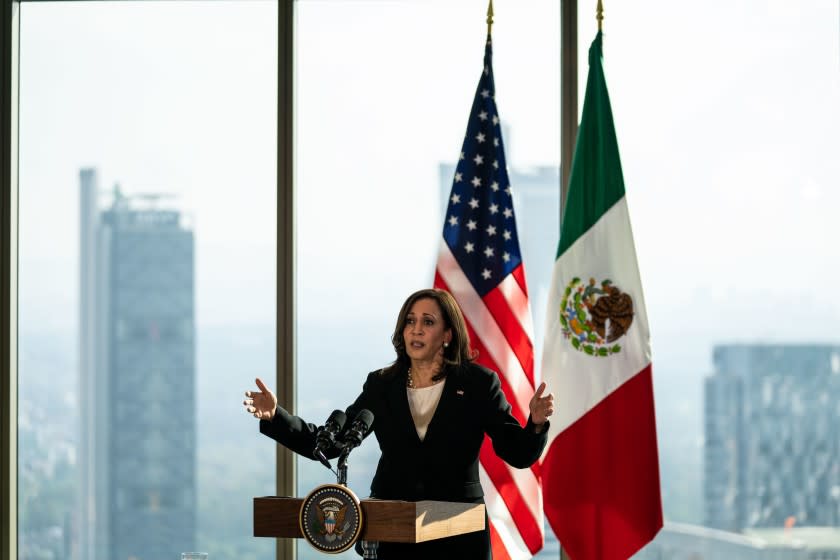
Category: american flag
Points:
column 481, row 265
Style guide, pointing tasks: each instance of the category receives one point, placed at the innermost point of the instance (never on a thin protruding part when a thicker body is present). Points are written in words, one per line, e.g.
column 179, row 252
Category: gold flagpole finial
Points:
column 599, row 14
column 489, row 16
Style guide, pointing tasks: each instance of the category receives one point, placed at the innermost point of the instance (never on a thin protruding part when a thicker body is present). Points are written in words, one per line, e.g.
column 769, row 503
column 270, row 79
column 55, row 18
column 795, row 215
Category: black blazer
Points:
column 444, row 466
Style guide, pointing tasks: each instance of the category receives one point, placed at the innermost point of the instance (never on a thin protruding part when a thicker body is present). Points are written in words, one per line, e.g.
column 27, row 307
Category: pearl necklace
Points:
column 409, row 382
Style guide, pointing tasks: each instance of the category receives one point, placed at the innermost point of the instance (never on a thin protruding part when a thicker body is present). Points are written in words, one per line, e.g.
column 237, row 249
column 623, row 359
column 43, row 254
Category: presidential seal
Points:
column 594, row 316
column 331, row 518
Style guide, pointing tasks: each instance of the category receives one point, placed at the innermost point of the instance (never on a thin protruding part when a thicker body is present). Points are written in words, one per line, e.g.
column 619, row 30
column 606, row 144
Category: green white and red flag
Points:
column 600, row 471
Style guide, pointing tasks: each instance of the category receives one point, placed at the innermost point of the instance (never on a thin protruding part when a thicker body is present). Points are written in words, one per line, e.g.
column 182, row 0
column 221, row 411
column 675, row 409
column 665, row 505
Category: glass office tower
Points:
column 772, row 454
column 137, row 378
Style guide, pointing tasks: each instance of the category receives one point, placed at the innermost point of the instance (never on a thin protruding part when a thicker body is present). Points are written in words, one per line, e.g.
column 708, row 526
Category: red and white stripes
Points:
column 501, row 330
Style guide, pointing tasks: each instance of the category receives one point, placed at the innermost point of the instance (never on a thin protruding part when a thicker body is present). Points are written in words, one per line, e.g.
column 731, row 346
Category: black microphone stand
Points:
column 369, row 548
column 341, row 475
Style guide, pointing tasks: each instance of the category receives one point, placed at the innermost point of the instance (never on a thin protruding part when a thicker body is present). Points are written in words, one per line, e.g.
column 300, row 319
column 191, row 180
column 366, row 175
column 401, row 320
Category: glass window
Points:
column 147, row 276
column 384, row 90
column 147, row 257
column 728, row 125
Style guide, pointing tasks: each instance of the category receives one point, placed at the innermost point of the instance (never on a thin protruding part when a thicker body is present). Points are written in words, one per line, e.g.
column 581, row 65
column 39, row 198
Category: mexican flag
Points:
column 600, row 470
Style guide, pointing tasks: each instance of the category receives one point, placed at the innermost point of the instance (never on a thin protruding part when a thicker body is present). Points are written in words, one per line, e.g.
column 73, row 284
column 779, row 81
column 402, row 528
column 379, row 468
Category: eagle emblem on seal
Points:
column 595, row 315
column 330, row 514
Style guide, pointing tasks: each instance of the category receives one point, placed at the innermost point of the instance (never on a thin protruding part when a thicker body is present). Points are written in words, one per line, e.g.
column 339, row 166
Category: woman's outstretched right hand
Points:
column 262, row 403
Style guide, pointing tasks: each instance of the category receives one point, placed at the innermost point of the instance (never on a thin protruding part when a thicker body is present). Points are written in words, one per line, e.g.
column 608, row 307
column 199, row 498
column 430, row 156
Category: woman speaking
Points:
column 431, row 408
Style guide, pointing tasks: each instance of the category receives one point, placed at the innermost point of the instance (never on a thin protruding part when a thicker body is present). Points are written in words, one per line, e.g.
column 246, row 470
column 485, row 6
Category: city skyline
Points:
column 729, row 163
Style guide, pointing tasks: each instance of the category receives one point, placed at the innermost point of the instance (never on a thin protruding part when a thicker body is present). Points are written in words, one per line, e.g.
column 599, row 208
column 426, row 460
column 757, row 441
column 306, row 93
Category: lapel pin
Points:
column 459, row 392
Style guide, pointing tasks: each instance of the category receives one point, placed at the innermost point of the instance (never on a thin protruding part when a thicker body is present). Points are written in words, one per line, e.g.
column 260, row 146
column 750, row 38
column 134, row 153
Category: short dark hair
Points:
column 458, row 351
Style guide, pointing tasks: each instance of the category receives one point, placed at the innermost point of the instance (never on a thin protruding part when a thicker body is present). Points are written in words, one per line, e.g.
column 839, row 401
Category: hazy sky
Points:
column 728, row 121
column 726, row 114
column 160, row 97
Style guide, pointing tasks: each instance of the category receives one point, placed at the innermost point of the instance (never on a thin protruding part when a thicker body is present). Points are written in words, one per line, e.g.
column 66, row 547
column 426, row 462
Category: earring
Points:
column 446, row 345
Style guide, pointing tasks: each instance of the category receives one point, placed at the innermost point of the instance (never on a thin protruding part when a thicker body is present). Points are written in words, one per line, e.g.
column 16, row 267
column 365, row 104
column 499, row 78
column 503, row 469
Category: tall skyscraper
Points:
column 772, row 451
column 137, row 456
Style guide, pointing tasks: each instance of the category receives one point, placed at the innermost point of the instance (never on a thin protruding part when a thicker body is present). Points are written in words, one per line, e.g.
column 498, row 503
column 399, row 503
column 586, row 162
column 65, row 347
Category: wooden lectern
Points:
column 384, row 520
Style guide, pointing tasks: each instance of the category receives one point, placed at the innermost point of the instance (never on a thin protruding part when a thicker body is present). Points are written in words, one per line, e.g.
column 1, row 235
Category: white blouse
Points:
column 423, row 403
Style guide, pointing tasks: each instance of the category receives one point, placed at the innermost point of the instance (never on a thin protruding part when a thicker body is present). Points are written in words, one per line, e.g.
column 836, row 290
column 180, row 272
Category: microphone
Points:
column 352, row 439
column 358, row 429
column 326, row 436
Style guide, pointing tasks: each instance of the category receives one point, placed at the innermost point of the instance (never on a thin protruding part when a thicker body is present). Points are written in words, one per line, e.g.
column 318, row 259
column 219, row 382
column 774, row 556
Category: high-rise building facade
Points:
column 772, row 451
column 137, row 455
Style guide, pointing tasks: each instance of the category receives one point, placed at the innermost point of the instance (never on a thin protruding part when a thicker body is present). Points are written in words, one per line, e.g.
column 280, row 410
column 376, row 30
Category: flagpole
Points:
column 568, row 95
column 599, row 14
column 489, row 17
column 568, row 110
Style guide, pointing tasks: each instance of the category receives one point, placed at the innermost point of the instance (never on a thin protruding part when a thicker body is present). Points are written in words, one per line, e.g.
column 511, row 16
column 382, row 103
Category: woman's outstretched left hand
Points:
column 541, row 406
